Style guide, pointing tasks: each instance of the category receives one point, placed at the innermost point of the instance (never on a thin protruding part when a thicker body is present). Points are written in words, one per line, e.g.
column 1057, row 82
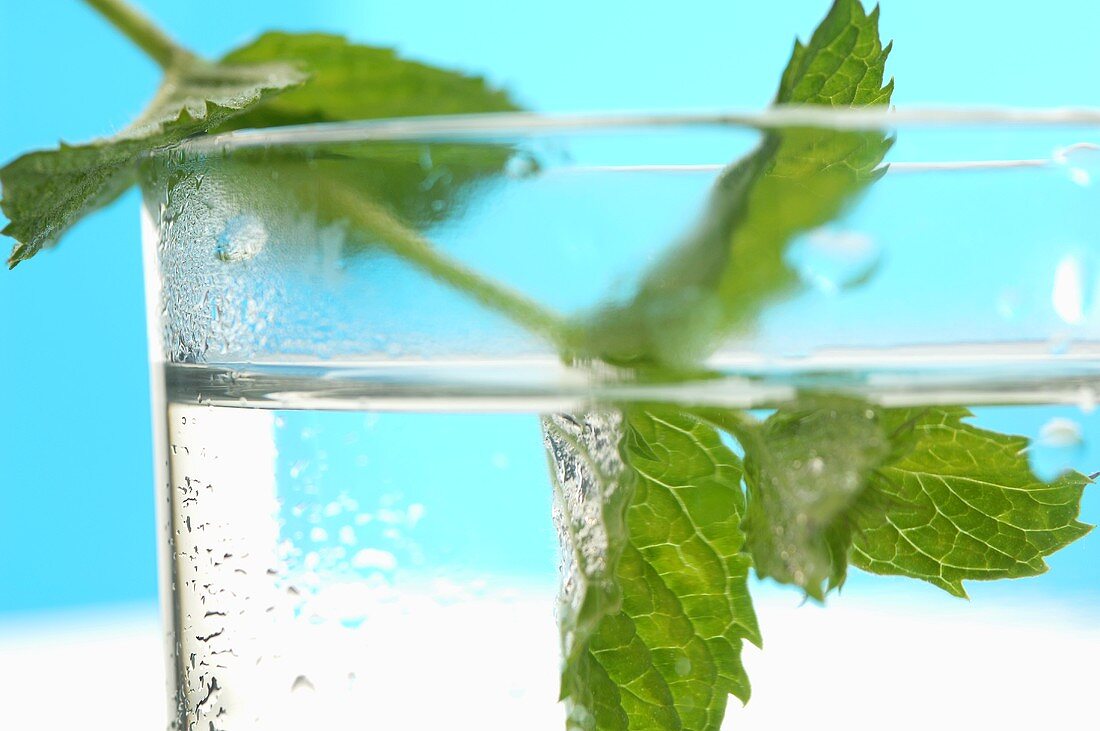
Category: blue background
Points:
column 76, row 523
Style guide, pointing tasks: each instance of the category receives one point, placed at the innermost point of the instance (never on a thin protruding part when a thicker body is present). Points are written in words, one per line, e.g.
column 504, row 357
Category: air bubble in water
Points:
column 242, row 238
column 1080, row 161
column 1072, row 291
column 831, row 260
column 1058, row 446
column 375, row 559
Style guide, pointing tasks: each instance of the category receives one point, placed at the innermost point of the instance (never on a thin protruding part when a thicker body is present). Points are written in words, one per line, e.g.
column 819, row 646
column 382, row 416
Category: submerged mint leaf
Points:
column 656, row 604
column 717, row 278
column 807, row 470
column 963, row 504
column 46, row 192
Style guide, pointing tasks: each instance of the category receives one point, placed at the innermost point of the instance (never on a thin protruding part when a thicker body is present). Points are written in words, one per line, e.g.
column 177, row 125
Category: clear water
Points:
column 351, row 551
column 361, row 520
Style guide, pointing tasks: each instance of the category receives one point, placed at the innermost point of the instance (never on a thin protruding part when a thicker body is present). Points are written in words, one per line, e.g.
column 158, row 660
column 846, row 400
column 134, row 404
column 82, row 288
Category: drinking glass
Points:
column 392, row 360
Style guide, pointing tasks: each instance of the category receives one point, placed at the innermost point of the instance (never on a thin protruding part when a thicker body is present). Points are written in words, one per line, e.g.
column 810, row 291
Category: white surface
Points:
column 88, row 671
column 858, row 664
column 904, row 663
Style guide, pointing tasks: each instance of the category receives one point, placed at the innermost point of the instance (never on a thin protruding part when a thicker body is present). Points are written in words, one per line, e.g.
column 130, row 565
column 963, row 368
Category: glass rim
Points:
column 535, row 124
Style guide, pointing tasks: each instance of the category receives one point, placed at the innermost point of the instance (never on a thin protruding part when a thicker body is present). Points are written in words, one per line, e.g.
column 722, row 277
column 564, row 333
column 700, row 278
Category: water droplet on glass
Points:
column 1071, row 294
column 1086, row 399
column 1080, row 161
column 1060, row 343
column 520, row 165
column 414, row 514
column 1009, row 304
column 1056, row 449
column 301, row 683
column 242, row 238
column 831, row 260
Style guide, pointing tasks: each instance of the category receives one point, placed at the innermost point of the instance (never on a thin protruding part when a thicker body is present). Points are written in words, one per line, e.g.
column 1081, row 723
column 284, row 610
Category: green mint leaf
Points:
column 716, row 279
column 46, row 192
column 656, row 603
column 807, row 470
column 962, row 504
column 382, row 189
column 349, row 82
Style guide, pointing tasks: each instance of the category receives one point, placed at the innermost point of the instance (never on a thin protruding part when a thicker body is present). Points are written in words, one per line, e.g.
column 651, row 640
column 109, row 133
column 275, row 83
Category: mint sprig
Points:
column 656, row 603
column 46, row 192
column 719, row 276
column 827, row 481
column 660, row 520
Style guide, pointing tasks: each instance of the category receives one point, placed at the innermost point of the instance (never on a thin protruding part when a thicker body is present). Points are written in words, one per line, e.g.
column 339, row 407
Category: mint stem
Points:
column 417, row 250
column 140, row 29
column 392, row 234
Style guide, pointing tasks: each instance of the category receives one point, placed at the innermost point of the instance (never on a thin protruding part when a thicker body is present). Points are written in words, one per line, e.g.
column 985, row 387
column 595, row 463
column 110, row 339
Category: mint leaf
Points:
column 46, row 192
column 717, row 278
column 807, row 470
column 394, row 187
column 349, row 82
column 656, row 602
column 963, row 504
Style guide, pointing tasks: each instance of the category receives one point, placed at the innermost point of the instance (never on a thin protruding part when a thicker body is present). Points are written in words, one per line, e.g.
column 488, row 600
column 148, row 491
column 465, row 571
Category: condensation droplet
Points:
column 831, row 260
column 1086, row 399
column 1009, row 304
column 300, row 684
column 1071, row 293
column 1060, row 343
column 1058, row 446
column 520, row 165
column 242, row 238
column 1080, row 161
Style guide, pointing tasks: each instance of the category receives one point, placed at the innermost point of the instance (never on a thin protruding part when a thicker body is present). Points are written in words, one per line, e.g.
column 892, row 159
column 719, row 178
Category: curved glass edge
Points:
column 534, row 124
